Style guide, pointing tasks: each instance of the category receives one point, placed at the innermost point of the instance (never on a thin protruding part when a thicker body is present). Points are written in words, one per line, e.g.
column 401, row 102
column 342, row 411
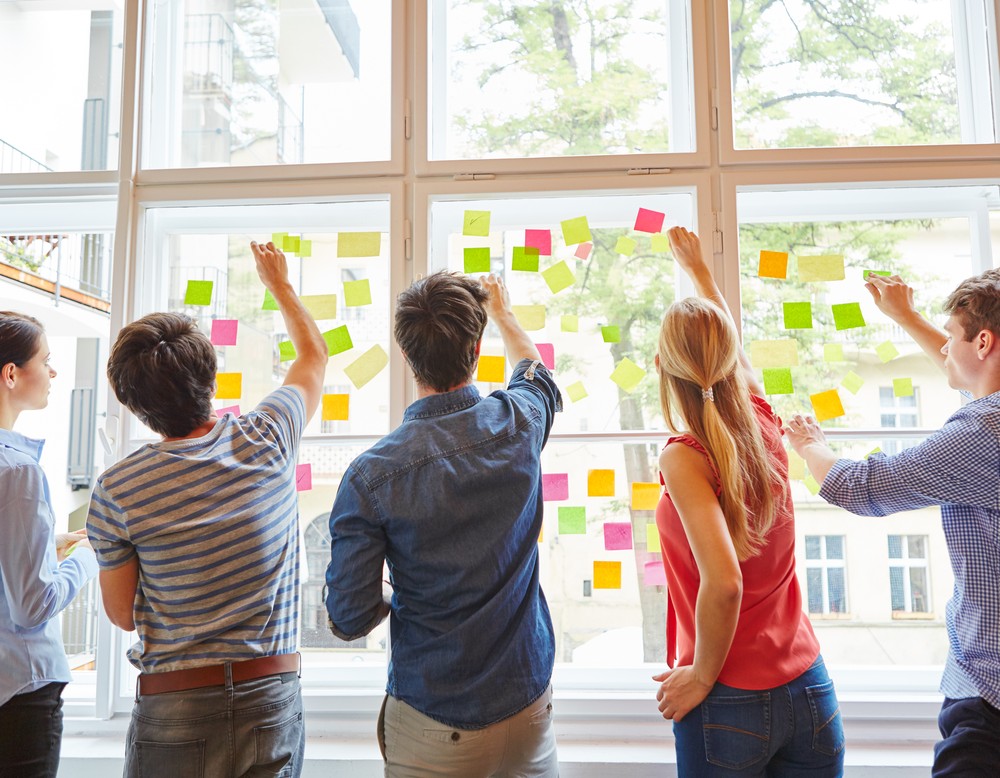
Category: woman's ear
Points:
column 7, row 375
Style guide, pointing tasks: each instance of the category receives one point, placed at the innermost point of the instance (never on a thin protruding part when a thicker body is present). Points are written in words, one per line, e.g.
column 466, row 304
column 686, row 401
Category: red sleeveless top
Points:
column 774, row 641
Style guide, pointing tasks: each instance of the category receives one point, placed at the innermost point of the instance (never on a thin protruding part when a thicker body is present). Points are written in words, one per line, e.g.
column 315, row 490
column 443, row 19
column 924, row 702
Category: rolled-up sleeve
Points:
column 532, row 380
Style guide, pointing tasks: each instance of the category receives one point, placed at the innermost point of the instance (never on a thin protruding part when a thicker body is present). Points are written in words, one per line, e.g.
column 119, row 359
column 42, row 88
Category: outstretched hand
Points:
column 892, row 296
column 802, row 432
column 271, row 264
column 686, row 247
column 680, row 692
column 498, row 301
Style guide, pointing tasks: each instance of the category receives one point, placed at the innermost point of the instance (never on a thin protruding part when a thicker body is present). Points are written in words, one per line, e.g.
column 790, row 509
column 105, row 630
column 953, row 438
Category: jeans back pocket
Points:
column 737, row 729
column 828, row 725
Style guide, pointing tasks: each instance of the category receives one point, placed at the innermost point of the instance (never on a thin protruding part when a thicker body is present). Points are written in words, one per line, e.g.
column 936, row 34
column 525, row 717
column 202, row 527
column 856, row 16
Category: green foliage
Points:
column 19, row 256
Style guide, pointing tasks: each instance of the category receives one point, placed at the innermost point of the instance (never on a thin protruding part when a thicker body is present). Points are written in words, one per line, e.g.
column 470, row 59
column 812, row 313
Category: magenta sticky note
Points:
column 303, row 477
column 224, row 332
column 583, row 250
column 233, row 409
column 548, row 352
column 649, row 221
column 617, row 535
column 539, row 239
column 555, row 486
column 653, row 574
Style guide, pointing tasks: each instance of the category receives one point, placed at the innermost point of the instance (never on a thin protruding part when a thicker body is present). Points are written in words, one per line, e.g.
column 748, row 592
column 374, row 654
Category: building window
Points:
column 909, row 574
column 826, row 591
column 897, row 413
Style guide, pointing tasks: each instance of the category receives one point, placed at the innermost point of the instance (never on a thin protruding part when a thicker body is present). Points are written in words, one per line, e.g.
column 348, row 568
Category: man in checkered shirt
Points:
column 958, row 468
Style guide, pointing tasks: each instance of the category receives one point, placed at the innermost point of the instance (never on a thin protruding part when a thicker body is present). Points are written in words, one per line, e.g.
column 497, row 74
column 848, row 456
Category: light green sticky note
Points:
column 811, row 484
column 198, row 293
column 852, row 382
column 876, row 450
column 270, row 304
column 305, row 248
column 367, row 366
column 798, row 316
column 833, row 352
column 847, row 316
column 477, row 259
column 572, row 520
column 822, row 267
column 611, row 333
column 778, row 380
column 338, row 339
column 628, row 375
column 558, row 277
column 868, row 271
column 576, row 391
column 357, row 293
column 290, row 243
column 902, row 387
column 659, row 242
column 525, row 258
column 652, row 538
column 530, row 317
column 774, row 353
column 320, row 306
column 887, row 351
column 278, row 239
column 626, row 246
column 476, row 223
column 575, row 230
column 286, row 351
column 570, row 322
column 359, row 244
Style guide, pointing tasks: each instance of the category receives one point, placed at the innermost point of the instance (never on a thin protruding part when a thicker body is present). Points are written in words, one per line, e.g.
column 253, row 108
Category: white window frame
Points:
column 824, row 565
column 907, row 563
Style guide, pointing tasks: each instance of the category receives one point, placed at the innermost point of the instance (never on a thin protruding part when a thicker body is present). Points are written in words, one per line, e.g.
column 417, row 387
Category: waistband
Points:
column 215, row 675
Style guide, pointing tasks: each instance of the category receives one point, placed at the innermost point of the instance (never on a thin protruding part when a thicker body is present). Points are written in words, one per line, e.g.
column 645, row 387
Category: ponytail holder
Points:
column 708, row 395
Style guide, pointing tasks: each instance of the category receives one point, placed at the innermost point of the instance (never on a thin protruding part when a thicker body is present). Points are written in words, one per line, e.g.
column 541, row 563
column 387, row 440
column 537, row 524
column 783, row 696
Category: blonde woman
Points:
column 748, row 694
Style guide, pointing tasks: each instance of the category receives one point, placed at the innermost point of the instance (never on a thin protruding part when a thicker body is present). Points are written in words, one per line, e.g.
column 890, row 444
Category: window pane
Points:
column 258, row 82
column 838, row 593
column 915, row 547
column 896, row 588
column 814, row 589
column 834, row 546
column 814, row 547
column 895, row 547
column 919, row 602
column 885, row 397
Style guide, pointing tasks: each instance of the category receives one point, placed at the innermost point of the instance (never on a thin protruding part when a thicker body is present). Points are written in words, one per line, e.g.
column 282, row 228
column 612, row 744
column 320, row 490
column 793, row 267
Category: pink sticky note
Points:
column 548, row 352
column 233, row 409
column 617, row 535
column 649, row 221
column 653, row 574
column 539, row 239
column 303, row 477
column 555, row 486
column 224, row 332
column 583, row 250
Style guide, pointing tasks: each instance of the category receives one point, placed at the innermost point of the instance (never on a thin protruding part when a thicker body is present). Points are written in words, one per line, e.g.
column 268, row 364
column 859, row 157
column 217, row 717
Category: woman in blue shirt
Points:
column 38, row 577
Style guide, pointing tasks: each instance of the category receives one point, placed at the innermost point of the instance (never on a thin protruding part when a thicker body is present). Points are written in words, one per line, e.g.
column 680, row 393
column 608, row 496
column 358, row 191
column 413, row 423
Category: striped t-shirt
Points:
column 214, row 523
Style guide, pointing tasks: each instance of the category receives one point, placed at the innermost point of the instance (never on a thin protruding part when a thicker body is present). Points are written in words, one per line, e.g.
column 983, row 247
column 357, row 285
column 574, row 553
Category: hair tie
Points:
column 708, row 395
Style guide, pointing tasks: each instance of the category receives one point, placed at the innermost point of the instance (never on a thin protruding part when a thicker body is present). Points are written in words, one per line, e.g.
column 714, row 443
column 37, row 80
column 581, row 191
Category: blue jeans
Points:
column 31, row 733
column 791, row 730
column 250, row 729
column 971, row 745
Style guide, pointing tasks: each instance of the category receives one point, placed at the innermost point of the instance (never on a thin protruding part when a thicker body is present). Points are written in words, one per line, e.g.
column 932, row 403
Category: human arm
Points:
column 895, row 299
column 308, row 371
column 690, row 483
column 117, row 557
column 516, row 341
column 118, row 586
column 67, row 543
column 808, row 441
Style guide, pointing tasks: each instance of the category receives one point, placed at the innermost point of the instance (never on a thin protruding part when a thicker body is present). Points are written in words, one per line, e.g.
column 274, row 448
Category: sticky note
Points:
column 228, row 386
column 547, row 351
column 539, row 239
column 774, row 353
column 286, row 351
column 357, row 293
column 847, row 316
column 477, row 260
column 617, row 536
column 867, row 272
column 607, row 575
column 576, row 391
column 569, row 322
column 525, row 258
column 270, row 304
column 558, row 277
column 627, row 375
column 338, row 339
column 277, row 238
column 572, row 520
column 303, row 477
column 652, row 538
column 336, row 407
column 611, row 333
column 773, row 264
column 645, row 496
column 876, row 450
column 575, row 230
column 902, row 387
column 822, row 267
column 833, row 352
column 826, row 405
column 778, row 380
column 600, row 483
column 198, row 293
column 530, row 317
column 653, row 573
column 224, row 332
column 798, row 316
column 555, row 486
column 320, row 306
column 476, row 223
column 491, row 370
column 852, row 382
column 649, row 221
column 887, row 351
column 583, row 250
column 367, row 366
column 233, row 409
column 811, row 484
column 659, row 243
column 796, row 466
column 626, row 246
column 290, row 243
column 359, row 244
column 305, row 248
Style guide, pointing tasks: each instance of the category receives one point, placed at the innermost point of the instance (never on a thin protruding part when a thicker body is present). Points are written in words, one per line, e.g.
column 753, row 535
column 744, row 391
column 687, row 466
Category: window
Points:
column 909, row 574
column 900, row 412
column 826, row 592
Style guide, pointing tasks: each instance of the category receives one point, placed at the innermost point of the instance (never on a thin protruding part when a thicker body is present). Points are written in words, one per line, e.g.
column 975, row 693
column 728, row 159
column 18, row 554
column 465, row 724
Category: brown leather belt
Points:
column 215, row 675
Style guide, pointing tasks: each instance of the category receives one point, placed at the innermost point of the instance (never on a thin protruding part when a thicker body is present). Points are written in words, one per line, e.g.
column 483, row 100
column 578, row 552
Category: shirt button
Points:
column 455, row 736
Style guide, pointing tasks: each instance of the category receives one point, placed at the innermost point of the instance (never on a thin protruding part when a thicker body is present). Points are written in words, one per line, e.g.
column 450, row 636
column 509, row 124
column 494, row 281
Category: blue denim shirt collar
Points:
column 443, row 403
column 31, row 447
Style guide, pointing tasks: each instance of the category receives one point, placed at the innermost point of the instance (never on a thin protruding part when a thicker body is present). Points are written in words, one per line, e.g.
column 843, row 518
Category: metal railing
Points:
column 13, row 160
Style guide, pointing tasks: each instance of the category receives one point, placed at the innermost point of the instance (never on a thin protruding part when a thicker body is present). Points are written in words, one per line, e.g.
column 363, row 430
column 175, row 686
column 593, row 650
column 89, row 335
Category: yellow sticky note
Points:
column 822, row 267
column 652, row 538
column 558, row 277
column 659, row 243
column 773, row 264
column 491, row 370
column 796, row 466
column 576, row 391
column 530, row 317
column 812, row 484
column 902, row 387
column 476, row 223
column 228, row 386
column 367, row 366
column 887, row 351
column 774, row 353
column 601, row 483
column 305, row 248
column 359, row 244
column 320, row 306
column 628, row 375
column 833, row 352
column 575, row 230
column 645, row 496
column 570, row 322
column 852, row 382
column 336, row 407
column 607, row 575
column 357, row 293
column 826, row 405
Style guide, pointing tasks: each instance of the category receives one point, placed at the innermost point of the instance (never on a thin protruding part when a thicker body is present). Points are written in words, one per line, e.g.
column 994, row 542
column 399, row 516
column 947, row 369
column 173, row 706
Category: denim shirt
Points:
column 452, row 500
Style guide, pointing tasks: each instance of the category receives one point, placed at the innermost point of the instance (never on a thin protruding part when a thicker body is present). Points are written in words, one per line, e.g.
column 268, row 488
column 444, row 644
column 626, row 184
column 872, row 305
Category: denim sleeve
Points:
column 357, row 555
column 533, row 381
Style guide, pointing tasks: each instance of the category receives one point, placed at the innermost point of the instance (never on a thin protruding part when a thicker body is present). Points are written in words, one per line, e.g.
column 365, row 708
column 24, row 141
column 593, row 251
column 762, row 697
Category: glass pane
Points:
column 814, row 589
column 897, row 593
column 915, row 547
column 896, row 546
column 60, row 65
column 885, row 397
column 855, row 74
column 814, row 547
column 919, row 602
column 834, row 546
column 837, row 590
column 262, row 82
column 570, row 77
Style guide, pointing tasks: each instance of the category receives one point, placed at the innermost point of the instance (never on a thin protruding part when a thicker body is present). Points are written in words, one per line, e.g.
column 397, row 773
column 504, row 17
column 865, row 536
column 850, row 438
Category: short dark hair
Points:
column 976, row 303
column 20, row 336
column 162, row 368
column 439, row 322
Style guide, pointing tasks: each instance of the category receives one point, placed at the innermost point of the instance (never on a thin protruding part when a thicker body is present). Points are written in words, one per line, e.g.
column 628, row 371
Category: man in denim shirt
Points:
column 452, row 500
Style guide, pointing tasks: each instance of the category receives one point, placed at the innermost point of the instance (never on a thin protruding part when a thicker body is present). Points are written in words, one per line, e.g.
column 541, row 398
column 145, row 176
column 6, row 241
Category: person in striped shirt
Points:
column 197, row 540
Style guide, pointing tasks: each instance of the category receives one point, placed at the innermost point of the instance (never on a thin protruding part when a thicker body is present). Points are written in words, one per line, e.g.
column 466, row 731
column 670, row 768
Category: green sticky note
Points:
column 611, row 333
column 833, row 352
column 876, row 450
column 628, row 375
column 847, row 316
column 822, row 267
column 286, row 351
column 357, row 293
column 278, row 239
column 774, row 353
column 659, row 242
column 359, row 244
column 778, row 380
column 558, row 277
column 477, row 260
column 852, row 382
column 320, row 306
column 270, row 304
column 572, row 520
column 652, row 538
column 902, row 387
column 576, row 391
column 305, row 248
column 570, row 322
column 338, row 339
column 525, row 258
column 367, row 366
column 811, row 484
column 887, row 351
column 798, row 316
column 868, row 271
column 198, row 293
column 575, row 230
column 476, row 223
column 530, row 317
column 290, row 243
column 625, row 246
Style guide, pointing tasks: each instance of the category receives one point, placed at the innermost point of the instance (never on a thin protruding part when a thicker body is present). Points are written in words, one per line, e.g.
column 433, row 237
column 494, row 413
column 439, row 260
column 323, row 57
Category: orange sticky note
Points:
column 645, row 496
column 607, row 575
column 228, row 386
column 336, row 407
column 827, row 405
column 601, row 483
column 491, row 370
column 773, row 264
